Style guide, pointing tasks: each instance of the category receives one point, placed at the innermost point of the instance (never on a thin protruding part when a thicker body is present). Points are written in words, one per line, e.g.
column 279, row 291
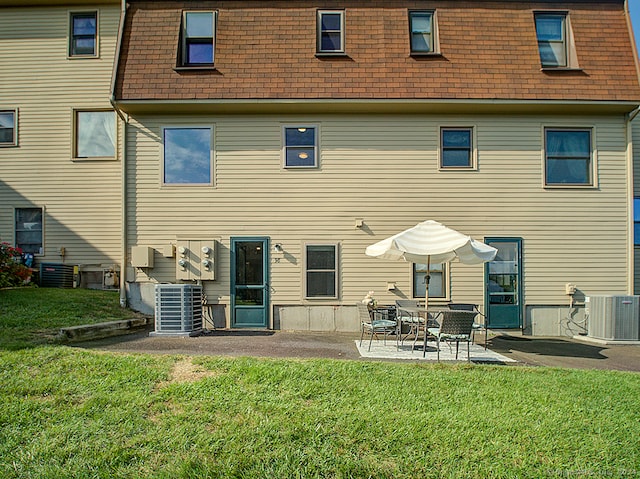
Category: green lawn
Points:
column 31, row 316
column 69, row 412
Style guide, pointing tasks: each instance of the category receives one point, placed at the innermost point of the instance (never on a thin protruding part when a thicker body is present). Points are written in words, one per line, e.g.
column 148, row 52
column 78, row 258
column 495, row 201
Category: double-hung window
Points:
column 552, row 32
column 95, row 134
column 321, row 270
column 198, row 38
column 422, row 32
column 8, row 130
column 330, row 31
column 456, row 148
column 29, row 230
column 187, row 155
column 437, row 280
column 568, row 157
column 83, row 35
column 300, row 146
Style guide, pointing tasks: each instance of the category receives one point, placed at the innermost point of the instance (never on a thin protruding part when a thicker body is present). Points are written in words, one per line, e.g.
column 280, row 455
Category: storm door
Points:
column 503, row 284
column 249, row 287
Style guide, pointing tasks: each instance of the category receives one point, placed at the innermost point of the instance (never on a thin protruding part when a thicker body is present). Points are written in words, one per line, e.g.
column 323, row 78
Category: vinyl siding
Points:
column 82, row 198
column 384, row 169
column 636, row 193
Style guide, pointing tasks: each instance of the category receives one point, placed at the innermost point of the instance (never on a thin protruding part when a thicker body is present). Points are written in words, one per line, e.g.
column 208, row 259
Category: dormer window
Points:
column 422, row 32
column 555, row 41
column 331, row 31
column 198, row 38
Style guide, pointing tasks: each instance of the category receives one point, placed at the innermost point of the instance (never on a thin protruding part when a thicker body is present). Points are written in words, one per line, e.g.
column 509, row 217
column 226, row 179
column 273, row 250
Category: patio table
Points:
column 419, row 316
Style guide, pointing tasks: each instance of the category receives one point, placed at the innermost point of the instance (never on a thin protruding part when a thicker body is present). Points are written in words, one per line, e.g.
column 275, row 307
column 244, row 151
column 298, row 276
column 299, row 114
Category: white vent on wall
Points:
column 614, row 317
column 178, row 309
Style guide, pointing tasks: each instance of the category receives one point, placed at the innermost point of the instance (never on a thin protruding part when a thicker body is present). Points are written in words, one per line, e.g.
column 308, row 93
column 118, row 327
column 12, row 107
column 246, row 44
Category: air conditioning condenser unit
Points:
column 614, row 318
column 178, row 309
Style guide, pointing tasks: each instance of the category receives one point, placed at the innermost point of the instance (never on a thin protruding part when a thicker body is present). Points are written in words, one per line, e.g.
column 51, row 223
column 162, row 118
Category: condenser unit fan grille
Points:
column 178, row 309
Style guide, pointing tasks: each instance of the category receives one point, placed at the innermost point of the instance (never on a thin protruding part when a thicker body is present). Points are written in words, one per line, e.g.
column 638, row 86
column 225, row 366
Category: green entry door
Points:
column 503, row 284
column 249, row 287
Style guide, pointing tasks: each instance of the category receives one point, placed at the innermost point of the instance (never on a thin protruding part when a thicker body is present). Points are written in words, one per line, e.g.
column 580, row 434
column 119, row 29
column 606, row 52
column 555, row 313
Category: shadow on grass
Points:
column 546, row 347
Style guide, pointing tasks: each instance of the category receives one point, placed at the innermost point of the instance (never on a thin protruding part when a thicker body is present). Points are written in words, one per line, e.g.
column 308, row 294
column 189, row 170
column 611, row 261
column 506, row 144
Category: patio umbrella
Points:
column 431, row 242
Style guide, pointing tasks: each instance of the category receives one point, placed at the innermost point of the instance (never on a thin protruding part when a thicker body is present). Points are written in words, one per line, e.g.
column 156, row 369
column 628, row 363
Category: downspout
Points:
column 630, row 195
column 630, row 162
column 123, row 164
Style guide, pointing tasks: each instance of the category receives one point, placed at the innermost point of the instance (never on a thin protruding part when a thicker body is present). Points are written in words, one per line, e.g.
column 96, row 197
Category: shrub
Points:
column 12, row 271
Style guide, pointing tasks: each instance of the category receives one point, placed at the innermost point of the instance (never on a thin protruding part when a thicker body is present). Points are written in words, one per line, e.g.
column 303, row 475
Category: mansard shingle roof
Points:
column 266, row 50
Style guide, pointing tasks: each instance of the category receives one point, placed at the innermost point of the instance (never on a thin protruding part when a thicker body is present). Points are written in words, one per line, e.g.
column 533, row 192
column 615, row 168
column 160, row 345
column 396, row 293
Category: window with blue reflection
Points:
column 300, row 147
column 83, row 34
column 330, row 31
column 636, row 221
column 198, row 38
column 552, row 45
column 187, row 156
column 568, row 157
column 421, row 31
column 456, row 150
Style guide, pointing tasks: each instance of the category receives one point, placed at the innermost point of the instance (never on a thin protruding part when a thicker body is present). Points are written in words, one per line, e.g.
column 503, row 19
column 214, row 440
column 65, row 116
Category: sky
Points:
column 634, row 8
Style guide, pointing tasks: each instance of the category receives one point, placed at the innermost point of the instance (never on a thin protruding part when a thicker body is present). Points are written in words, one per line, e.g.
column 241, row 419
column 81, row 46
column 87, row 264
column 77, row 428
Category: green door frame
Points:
column 503, row 285
column 249, row 282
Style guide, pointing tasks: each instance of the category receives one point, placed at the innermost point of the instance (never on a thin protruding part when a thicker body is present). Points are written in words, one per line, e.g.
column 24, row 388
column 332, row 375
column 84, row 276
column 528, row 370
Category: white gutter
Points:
column 123, row 166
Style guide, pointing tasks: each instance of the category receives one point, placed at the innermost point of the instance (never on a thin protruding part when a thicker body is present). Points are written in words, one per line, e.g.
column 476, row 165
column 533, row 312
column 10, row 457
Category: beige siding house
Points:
column 60, row 169
column 289, row 151
column 212, row 143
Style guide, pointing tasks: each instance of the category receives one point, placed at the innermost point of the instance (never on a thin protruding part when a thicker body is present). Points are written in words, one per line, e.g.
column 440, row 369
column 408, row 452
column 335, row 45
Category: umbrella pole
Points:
column 426, row 305
column 428, row 278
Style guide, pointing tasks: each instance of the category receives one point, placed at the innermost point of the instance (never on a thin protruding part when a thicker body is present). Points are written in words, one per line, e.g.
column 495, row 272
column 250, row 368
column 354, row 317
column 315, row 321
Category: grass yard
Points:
column 72, row 413
column 32, row 316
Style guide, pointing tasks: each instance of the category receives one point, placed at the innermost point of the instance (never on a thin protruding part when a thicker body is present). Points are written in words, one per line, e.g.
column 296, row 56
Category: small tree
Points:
column 12, row 271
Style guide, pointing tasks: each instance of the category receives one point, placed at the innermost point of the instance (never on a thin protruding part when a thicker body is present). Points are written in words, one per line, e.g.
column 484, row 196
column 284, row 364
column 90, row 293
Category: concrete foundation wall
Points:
column 554, row 320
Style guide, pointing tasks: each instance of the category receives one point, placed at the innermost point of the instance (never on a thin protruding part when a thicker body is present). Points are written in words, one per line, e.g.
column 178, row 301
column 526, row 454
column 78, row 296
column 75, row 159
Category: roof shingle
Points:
column 267, row 50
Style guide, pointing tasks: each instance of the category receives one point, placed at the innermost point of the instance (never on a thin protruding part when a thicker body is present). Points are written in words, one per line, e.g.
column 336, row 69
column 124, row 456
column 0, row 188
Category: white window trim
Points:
column 14, row 143
column 211, row 156
column 319, row 49
column 570, row 46
column 74, row 135
column 96, row 53
column 594, row 157
column 15, row 231
column 446, row 281
column 183, row 63
column 474, row 148
column 434, row 33
column 316, row 150
column 336, row 245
